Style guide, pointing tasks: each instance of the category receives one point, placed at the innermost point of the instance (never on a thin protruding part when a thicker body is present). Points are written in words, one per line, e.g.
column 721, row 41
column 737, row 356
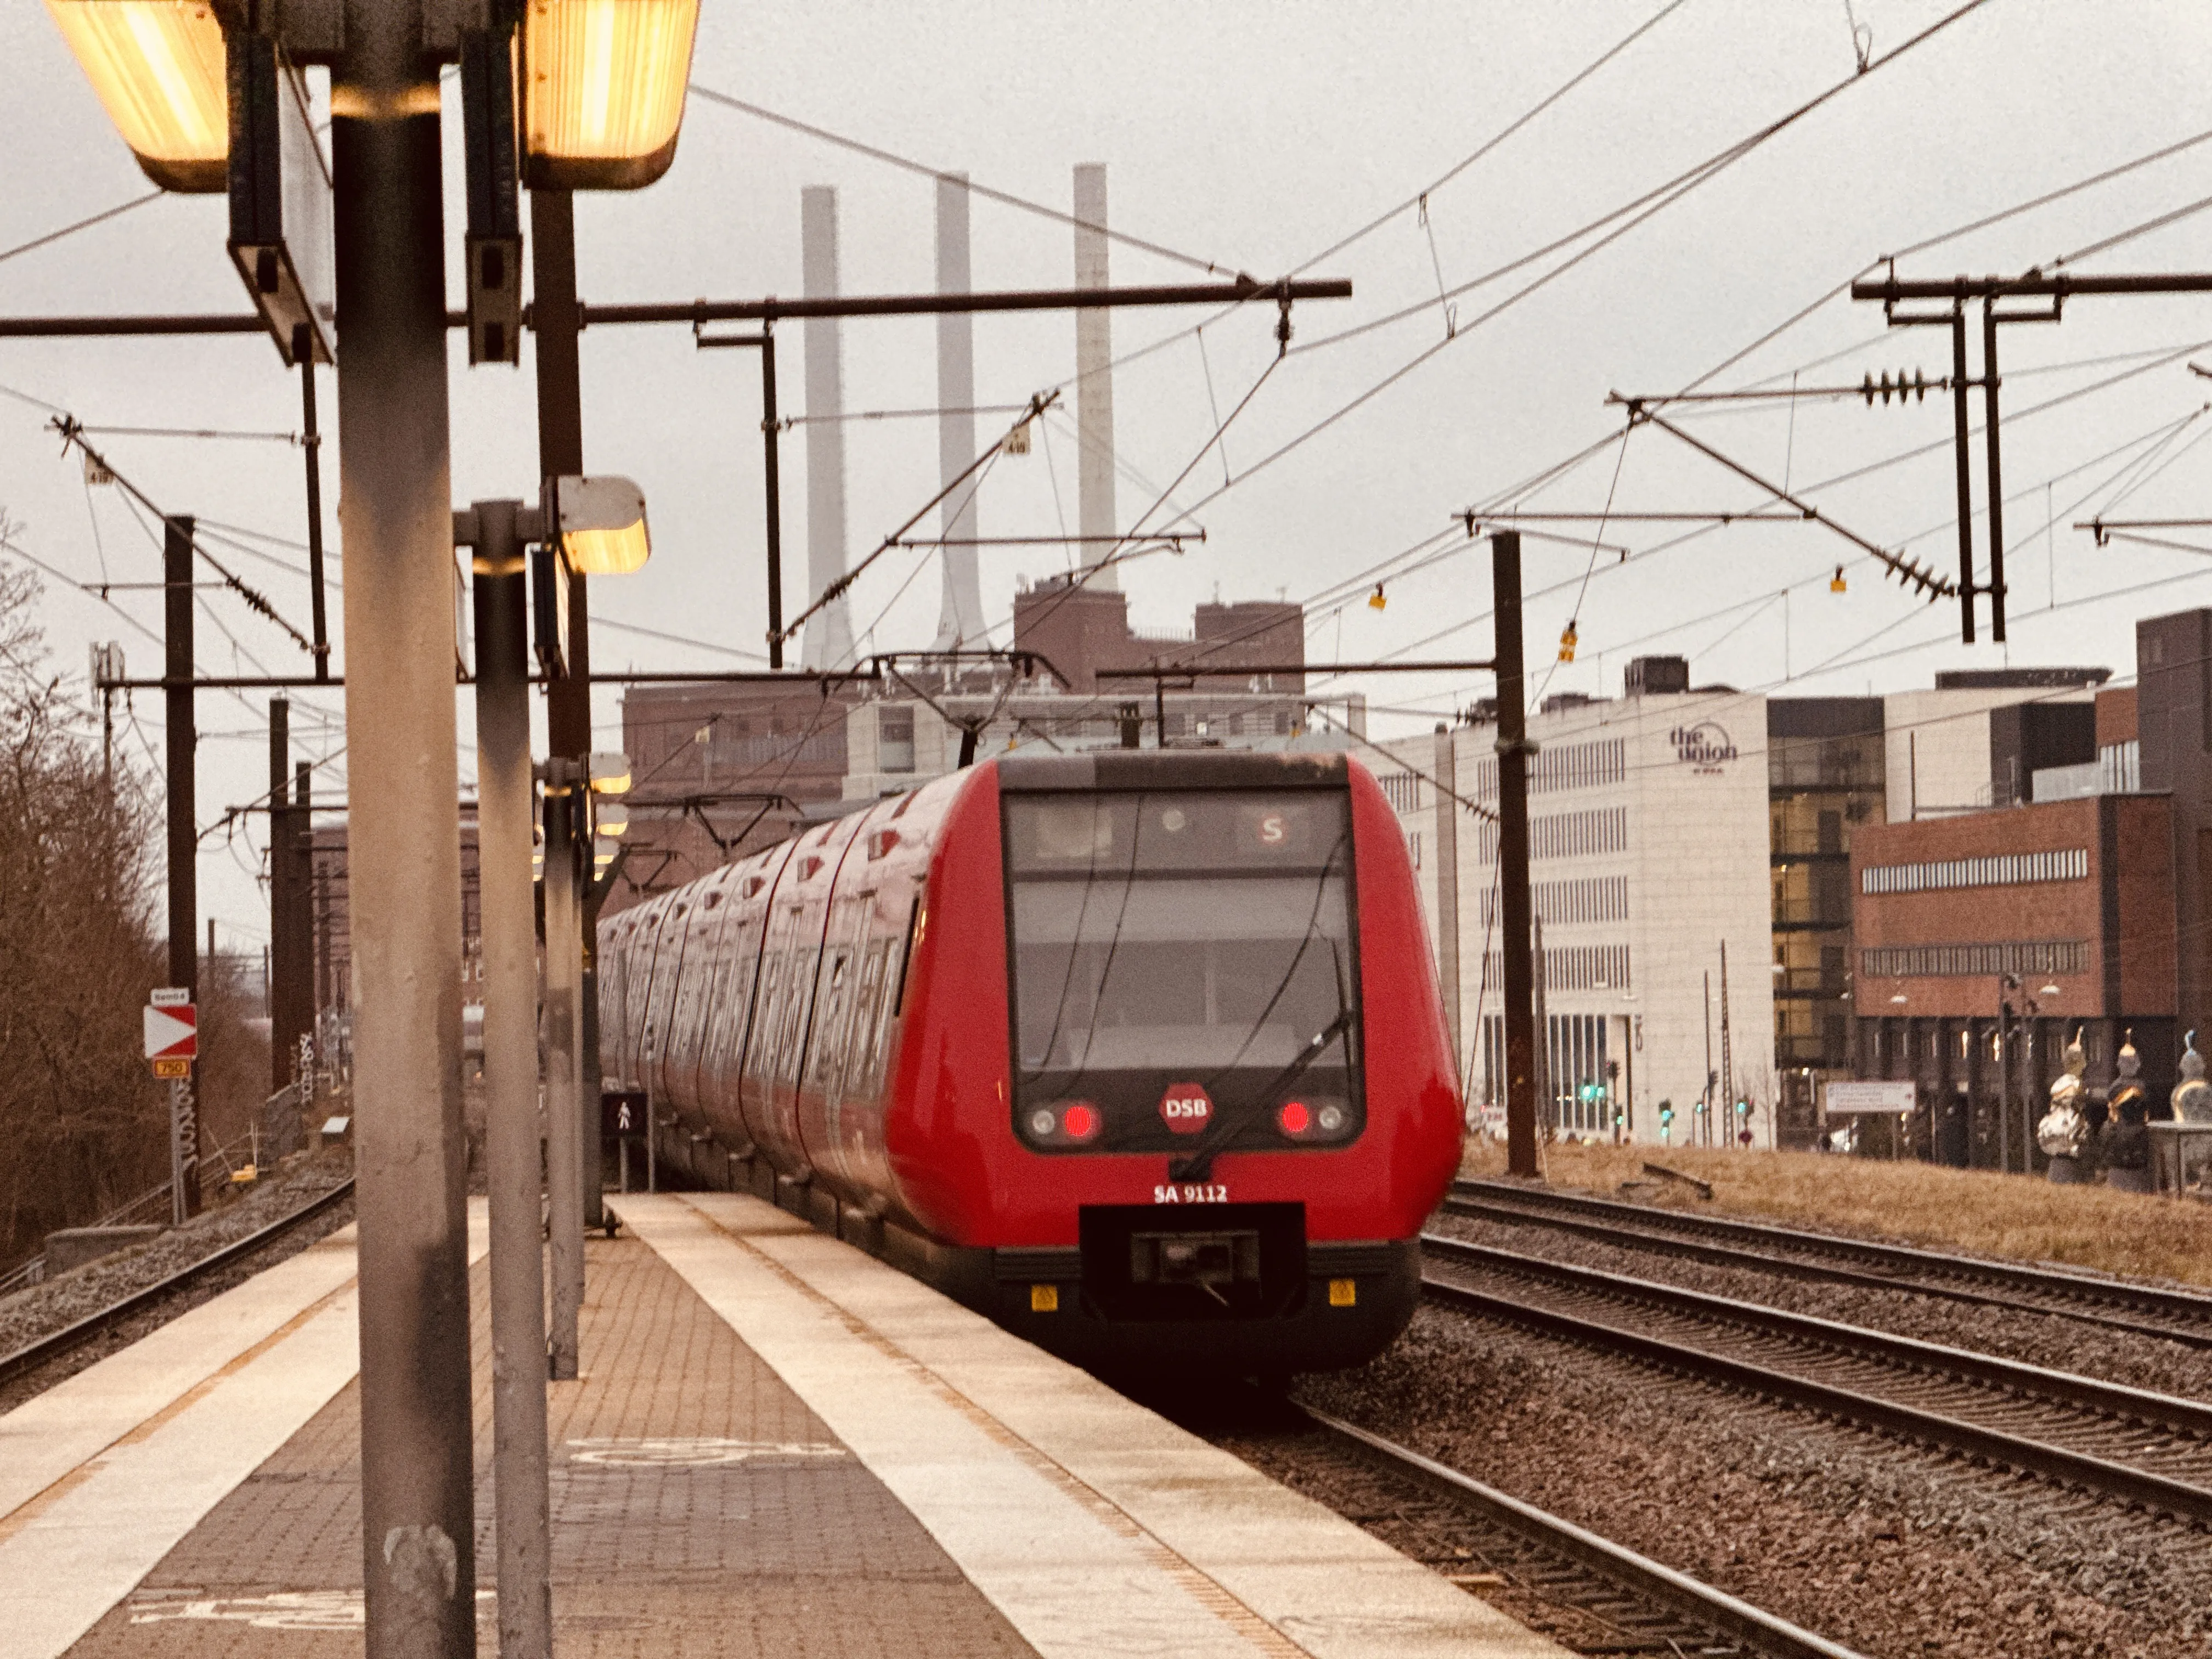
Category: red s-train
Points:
column 1140, row 1054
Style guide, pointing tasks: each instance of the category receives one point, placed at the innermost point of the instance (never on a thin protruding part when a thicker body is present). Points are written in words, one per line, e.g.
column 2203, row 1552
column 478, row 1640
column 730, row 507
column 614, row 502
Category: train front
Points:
column 1231, row 1098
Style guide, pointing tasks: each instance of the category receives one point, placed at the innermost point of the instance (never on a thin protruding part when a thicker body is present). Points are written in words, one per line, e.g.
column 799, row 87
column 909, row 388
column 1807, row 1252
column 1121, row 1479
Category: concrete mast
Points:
column 829, row 643
column 1094, row 385
column 960, row 618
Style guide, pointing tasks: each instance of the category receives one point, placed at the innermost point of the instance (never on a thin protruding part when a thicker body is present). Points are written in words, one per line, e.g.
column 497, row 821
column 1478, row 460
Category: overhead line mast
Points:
column 1893, row 292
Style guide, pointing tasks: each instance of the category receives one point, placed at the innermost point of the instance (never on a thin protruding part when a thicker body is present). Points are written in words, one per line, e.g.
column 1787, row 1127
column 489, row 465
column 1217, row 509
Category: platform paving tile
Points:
column 699, row 1508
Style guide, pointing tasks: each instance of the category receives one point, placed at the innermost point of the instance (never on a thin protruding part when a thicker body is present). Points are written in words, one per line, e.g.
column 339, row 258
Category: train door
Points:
column 613, row 959
column 644, row 957
column 732, row 1021
column 661, row 1003
column 694, row 996
column 838, row 970
column 841, row 1113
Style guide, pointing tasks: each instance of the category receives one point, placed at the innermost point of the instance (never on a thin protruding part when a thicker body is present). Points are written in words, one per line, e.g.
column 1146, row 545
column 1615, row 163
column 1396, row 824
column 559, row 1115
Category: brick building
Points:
column 1985, row 941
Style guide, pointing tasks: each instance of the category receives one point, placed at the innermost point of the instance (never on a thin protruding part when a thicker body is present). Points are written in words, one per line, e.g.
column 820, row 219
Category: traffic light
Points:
column 1666, row 1120
column 1590, row 1093
column 1743, row 1108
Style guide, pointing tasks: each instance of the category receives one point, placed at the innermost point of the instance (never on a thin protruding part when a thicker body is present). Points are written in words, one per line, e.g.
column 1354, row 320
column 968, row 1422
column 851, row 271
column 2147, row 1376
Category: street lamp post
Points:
column 598, row 523
column 604, row 84
column 504, row 829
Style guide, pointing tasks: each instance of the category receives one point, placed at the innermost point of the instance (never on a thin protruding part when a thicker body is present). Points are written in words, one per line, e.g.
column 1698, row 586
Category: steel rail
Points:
column 32, row 1355
column 2073, row 1295
column 2084, row 1470
column 1642, row 1577
column 1625, row 1235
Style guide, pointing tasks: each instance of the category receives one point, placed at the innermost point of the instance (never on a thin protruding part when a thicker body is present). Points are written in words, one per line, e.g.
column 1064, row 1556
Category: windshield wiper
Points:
column 1197, row 1164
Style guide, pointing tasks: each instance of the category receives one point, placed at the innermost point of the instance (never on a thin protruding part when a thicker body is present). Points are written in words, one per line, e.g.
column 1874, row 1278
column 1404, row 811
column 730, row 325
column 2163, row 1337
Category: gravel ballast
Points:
column 39, row 1310
column 1885, row 1548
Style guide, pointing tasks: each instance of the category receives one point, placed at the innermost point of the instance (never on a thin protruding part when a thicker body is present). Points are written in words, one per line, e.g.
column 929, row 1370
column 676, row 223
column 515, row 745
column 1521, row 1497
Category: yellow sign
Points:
column 1044, row 1298
column 1343, row 1292
column 172, row 1068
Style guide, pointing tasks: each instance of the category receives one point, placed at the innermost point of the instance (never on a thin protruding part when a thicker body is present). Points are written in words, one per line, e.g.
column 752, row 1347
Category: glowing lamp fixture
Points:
column 602, row 522
column 612, row 819
column 610, row 772
column 160, row 70
column 603, row 93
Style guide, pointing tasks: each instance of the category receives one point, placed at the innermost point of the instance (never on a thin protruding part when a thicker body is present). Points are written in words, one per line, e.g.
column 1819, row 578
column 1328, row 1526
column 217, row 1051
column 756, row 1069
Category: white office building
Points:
column 1649, row 839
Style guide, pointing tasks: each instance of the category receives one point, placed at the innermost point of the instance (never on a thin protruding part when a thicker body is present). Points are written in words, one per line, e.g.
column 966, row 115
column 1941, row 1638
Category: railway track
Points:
column 2175, row 1315
column 34, row 1355
column 2146, row 1450
column 1587, row 1593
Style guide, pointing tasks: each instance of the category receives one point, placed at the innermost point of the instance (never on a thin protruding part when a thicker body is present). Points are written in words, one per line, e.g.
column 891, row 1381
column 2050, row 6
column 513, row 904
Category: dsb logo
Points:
column 1185, row 1107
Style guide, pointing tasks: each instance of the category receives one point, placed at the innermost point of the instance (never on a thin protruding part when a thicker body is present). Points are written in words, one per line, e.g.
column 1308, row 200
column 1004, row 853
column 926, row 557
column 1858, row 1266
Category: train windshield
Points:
column 1163, row 939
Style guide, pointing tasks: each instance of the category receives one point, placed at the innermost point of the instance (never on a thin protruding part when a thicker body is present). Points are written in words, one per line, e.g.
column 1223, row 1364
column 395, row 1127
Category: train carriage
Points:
column 1140, row 1054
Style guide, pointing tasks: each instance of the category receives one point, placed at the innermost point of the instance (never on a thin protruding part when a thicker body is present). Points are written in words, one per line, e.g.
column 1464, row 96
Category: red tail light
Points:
column 1294, row 1118
column 1064, row 1123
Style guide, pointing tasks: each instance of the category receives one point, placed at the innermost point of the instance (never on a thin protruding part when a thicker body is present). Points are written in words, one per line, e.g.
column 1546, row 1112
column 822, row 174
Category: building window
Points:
column 1574, row 1056
column 1571, row 968
column 1402, row 790
column 1573, row 766
column 1998, row 870
column 1564, row 835
column 894, row 740
column 2057, row 956
column 1560, row 903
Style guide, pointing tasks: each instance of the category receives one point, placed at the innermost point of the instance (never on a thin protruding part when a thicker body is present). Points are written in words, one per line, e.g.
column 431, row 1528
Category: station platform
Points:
column 779, row 1446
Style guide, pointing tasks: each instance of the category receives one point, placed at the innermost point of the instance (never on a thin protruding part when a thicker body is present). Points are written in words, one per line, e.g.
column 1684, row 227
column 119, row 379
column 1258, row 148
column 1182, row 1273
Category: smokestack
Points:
column 1094, row 382
column 828, row 641
column 960, row 620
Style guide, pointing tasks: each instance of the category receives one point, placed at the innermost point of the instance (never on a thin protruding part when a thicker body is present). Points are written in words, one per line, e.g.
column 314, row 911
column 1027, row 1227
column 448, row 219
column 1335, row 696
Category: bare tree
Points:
column 82, row 1126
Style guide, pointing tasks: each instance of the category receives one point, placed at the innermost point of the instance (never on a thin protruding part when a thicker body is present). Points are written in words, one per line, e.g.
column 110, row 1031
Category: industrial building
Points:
column 2071, row 902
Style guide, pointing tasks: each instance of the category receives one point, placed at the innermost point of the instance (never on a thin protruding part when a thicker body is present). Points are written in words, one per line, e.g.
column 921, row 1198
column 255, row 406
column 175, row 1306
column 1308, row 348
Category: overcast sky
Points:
column 1256, row 136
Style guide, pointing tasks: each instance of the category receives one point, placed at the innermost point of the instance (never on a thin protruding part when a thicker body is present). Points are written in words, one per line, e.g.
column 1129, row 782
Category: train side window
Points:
column 828, row 1025
column 878, row 1000
column 768, row 1020
column 798, row 992
column 906, row 953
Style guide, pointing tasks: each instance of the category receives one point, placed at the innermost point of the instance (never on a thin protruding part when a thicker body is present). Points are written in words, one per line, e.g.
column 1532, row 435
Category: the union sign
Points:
column 1705, row 746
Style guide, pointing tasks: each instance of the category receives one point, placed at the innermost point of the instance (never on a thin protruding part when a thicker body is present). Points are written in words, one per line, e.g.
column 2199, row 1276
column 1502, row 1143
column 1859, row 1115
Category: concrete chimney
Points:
column 828, row 636
column 960, row 619
column 1094, row 383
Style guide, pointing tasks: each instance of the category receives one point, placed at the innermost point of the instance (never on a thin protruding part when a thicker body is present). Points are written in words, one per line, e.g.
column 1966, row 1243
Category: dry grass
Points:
column 2014, row 1216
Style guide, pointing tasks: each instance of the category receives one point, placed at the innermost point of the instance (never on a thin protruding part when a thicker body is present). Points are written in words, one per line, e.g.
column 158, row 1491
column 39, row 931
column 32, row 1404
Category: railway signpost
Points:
column 171, row 1024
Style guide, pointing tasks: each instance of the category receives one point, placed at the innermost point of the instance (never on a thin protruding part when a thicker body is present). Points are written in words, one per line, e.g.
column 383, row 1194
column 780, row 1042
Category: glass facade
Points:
column 1825, row 778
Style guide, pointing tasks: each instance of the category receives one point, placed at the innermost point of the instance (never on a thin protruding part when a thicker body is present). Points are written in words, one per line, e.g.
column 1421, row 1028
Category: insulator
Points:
column 1866, row 388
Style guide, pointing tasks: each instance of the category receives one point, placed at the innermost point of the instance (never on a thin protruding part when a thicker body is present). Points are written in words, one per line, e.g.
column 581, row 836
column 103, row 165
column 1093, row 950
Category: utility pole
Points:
column 311, row 442
column 1728, row 1062
column 289, row 985
column 184, row 847
column 564, row 1221
column 303, row 923
column 1447, row 775
column 404, row 855
column 568, row 698
column 1518, row 942
column 508, row 932
column 1706, row 1096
